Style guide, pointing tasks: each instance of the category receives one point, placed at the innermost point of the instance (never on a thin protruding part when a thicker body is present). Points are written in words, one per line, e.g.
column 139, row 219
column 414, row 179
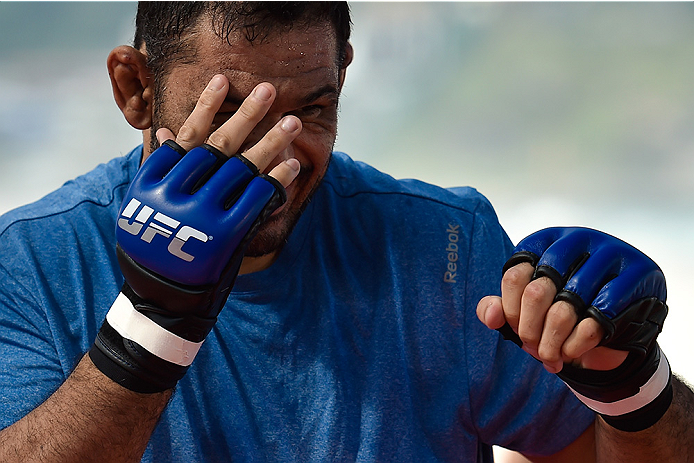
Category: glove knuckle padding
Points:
column 625, row 292
column 606, row 277
column 210, row 233
column 184, row 226
column 180, row 180
column 159, row 163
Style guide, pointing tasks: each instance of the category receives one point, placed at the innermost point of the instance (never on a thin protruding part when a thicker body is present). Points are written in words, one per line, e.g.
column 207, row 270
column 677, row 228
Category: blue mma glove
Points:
column 183, row 228
column 624, row 290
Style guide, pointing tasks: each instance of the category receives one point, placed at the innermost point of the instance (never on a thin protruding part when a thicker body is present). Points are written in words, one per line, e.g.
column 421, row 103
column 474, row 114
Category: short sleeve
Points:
column 514, row 402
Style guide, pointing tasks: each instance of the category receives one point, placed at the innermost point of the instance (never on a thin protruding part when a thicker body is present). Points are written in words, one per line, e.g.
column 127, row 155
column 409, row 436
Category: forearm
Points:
column 671, row 439
column 89, row 418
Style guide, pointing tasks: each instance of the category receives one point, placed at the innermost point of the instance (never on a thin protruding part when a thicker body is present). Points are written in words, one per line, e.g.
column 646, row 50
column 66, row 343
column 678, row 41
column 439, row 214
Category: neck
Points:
column 256, row 264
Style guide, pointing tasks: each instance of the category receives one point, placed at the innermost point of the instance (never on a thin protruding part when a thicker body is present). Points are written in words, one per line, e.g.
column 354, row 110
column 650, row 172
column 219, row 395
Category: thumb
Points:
column 164, row 134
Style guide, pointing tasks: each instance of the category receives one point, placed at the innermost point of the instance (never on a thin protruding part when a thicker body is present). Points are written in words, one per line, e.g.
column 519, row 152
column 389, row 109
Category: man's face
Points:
column 302, row 66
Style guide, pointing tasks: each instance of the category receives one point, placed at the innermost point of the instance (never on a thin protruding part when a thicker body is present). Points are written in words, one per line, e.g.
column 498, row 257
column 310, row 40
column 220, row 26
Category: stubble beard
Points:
column 274, row 234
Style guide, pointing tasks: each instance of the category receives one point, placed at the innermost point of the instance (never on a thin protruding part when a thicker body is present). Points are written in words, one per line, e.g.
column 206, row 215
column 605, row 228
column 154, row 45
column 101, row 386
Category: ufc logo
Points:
column 161, row 224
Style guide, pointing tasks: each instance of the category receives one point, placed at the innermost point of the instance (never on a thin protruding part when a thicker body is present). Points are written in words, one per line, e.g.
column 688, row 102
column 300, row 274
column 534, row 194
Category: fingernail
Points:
column 294, row 164
column 262, row 93
column 290, row 124
column 217, row 83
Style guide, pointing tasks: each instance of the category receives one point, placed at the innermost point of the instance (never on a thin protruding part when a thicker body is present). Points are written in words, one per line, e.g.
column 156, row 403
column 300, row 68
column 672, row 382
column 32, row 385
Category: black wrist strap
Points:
column 645, row 417
column 130, row 365
column 632, row 397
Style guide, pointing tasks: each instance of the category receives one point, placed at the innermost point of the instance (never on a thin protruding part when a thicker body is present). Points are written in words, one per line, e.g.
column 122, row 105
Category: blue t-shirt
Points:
column 360, row 343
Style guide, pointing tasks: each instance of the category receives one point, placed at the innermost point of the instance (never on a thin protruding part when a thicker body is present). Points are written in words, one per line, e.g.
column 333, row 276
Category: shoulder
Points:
column 347, row 178
column 55, row 246
column 74, row 223
column 94, row 190
column 451, row 233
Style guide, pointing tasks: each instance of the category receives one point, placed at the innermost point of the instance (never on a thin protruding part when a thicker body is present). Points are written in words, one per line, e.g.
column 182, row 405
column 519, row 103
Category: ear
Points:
column 349, row 56
column 132, row 85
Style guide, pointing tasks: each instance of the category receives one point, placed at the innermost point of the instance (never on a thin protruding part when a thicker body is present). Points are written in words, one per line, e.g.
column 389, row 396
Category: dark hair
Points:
column 164, row 27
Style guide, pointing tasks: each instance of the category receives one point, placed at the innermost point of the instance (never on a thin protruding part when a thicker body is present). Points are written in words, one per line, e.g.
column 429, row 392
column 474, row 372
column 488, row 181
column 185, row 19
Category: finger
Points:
column 286, row 171
column 230, row 136
column 536, row 300
column 586, row 336
column 513, row 284
column 164, row 134
column 274, row 143
column 560, row 321
column 490, row 312
column 195, row 129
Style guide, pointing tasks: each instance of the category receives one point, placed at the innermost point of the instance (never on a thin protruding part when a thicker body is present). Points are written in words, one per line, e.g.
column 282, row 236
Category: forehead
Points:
column 300, row 56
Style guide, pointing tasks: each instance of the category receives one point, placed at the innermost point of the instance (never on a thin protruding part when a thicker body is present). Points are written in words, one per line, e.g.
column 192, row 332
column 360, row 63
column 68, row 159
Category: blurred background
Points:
column 561, row 114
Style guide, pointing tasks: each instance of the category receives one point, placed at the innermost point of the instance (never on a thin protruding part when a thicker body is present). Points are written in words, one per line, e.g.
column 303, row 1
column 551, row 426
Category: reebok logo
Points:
column 451, row 272
column 161, row 224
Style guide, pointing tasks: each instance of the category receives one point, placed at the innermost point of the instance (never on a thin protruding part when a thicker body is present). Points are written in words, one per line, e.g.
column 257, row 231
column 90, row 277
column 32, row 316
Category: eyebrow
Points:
column 327, row 90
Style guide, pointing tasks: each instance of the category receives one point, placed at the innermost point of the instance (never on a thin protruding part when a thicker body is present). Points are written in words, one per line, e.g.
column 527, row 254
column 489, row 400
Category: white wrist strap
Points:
column 647, row 393
column 136, row 327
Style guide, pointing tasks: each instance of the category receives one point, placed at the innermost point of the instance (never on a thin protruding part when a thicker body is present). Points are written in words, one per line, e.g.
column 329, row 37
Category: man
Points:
column 341, row 340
